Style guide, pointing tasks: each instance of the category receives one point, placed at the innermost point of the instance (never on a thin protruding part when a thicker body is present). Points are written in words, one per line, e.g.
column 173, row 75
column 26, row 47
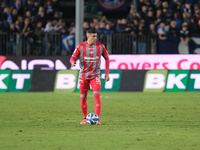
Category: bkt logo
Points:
column 67, row 81
column 172, row 81
column 15, row 81
column 43, row 64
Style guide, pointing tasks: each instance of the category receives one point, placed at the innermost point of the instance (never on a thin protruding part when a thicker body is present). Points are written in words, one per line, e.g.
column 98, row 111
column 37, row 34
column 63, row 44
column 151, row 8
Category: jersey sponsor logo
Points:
column 91, row 59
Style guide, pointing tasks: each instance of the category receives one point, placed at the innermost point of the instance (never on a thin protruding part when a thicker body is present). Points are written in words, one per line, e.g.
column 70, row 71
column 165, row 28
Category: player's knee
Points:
column 96, row 92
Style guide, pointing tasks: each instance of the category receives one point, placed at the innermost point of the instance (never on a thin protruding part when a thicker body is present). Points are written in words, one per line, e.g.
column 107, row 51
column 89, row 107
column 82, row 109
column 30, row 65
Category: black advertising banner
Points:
column 34, row 62
column 43, row 80
column 132, row 80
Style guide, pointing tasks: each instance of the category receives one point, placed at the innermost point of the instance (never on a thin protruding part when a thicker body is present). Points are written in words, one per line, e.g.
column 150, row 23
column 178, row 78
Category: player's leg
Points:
column 96, row 87
column 84, row 84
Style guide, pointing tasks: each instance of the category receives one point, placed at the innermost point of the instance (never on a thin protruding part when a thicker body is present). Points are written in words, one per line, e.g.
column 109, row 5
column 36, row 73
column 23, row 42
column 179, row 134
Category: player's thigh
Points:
column 84, row 85
column 96, row 84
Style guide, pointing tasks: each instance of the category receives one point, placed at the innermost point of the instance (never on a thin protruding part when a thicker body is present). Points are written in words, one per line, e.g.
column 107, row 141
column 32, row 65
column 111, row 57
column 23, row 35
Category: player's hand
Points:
column 73, row 64
column 107, row 78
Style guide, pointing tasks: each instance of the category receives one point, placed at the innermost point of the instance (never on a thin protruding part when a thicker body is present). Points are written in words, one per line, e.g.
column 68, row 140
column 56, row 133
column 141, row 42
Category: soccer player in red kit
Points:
column 90, row 53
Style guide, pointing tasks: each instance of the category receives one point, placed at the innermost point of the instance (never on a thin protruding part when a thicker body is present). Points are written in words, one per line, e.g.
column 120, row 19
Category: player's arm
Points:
column 74, row 56
column 107, row 63
column 107, row 77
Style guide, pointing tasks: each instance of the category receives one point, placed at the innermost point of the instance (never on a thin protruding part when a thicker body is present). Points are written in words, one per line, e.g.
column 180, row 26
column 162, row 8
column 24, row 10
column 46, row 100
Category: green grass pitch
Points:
column 130, row 120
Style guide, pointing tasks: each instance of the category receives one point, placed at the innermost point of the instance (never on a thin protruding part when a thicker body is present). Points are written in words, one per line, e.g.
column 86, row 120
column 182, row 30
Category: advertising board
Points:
column 117, row 62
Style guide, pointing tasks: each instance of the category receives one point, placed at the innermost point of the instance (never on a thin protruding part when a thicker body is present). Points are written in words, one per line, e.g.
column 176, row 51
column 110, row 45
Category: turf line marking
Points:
column 77, row 94
column 103, row 120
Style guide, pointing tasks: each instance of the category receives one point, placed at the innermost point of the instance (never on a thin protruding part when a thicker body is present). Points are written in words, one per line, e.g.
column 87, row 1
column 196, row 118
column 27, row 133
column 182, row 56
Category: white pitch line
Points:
column 78, row 95
column 103, row 121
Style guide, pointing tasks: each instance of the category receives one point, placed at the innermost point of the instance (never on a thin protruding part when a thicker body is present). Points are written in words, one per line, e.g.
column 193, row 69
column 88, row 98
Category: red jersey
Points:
column 90, row 59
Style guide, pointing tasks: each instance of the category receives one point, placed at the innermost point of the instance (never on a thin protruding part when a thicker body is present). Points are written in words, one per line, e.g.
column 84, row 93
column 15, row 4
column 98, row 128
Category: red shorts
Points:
column 85, row 84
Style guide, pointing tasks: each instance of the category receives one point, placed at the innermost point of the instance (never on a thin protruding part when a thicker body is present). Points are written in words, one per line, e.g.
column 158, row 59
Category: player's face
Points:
column 92, row 38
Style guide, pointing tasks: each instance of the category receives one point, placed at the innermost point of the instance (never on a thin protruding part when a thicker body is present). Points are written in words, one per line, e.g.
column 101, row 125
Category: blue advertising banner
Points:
column 173, row 45
column 110, row 5
column 68, row 43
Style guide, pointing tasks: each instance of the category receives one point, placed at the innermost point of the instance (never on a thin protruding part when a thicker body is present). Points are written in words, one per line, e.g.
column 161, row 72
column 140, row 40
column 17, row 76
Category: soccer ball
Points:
column 92, row 118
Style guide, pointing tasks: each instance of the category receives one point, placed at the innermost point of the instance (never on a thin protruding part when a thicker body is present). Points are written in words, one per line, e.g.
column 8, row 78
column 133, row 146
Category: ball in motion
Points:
column 92, row 118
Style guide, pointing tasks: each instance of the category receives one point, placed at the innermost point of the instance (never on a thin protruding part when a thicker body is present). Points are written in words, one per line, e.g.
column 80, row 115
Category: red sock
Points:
column 84, row 106
column 97, row 105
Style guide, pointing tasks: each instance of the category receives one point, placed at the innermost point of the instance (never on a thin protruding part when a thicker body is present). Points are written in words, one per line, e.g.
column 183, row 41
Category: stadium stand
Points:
column 36, row 27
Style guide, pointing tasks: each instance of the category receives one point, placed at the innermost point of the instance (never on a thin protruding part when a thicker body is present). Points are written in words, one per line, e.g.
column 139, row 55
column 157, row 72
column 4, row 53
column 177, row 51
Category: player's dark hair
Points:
column 91, row 31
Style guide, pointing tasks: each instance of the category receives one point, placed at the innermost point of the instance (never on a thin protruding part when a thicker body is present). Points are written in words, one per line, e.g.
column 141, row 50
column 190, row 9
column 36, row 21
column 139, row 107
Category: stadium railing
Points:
column 50, row 43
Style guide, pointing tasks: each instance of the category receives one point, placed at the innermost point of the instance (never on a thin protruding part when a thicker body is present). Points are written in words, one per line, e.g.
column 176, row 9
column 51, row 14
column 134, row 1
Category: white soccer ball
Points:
column 92, row 118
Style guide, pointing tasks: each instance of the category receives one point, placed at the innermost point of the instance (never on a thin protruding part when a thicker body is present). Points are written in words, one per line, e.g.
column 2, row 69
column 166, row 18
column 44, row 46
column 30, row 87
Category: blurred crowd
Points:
column 33, row 18
column 28, row 15
column 154, row 17
column 148, row 17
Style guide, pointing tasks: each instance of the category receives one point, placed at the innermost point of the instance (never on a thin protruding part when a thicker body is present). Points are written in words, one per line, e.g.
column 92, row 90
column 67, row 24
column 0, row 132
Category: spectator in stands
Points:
column 135, row 26
column 92, row 26
column 169, row 16
column 162, row 31
column 186, row 17
column 49, row 9
column 185, row 34
column 152, row 30
column 150, row 18
column 175, row 5
column 157, row 4
column 56, row 16
column 122, row 27
column 95, row 21
column 192, row 26
column 177, row 18
column 143, row 12
column 141, row 32
column 28, row 34
column 64, row 27
column 11, row 43
column 18, row 5
column 49, row 27
column 3, row 5
column 14, row 15
column 187, row 8
column 71, row 28
column 165, row 9
column 19, row 24
column 28, row 14
column 140, row 4
column 97, row 29
column 55, row 5
column 57, row 25
column 30, row 6
column 39, row 36
column 7, row 10
column 50, row 45
column 36, row 7
column 159, row 17
column 173, row 29
column 85, row 26
column 133, row 14
column 107, row 30
column 41, row 16
column 142, row 28
column 102, row 26
column 196, row 15
column 106, row 21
